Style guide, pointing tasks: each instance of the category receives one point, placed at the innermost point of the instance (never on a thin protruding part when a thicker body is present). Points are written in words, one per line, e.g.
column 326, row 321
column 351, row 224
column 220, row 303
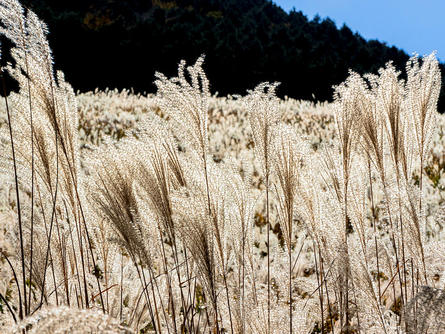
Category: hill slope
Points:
column 117, row 44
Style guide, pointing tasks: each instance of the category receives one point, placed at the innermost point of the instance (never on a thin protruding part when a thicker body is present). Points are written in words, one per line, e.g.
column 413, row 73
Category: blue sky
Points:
column 412, row 25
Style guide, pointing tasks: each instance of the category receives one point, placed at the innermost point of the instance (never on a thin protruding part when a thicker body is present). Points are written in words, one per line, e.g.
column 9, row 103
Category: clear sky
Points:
column 412, row 25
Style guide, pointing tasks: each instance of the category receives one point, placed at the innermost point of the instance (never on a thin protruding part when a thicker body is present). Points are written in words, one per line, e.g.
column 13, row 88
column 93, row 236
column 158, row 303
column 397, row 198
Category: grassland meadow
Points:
column 186, row 212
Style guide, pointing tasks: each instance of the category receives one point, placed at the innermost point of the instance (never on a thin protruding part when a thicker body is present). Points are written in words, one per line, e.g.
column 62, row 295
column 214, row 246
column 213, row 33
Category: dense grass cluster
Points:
column 183, row 212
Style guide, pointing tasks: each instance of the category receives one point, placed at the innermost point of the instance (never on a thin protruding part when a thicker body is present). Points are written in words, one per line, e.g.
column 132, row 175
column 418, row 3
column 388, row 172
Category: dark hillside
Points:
column 114, row 43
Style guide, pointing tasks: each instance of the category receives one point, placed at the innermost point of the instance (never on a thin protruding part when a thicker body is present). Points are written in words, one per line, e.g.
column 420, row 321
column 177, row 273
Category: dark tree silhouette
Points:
column 120, row 44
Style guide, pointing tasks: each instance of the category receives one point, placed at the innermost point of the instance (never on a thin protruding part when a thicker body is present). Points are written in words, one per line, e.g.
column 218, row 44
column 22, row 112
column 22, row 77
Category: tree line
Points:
column 120, row 44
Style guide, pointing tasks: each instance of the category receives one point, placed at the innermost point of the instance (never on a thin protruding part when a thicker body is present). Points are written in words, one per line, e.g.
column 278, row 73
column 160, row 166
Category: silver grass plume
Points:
column 423, row 88
column 241, row 207
column 187, row 103
column 289, row 161
column 196, row 231
column 46, row 113
column 262, row 107
column 346, row 109
column 289, row 155
column 69, row 320
column 115, row 199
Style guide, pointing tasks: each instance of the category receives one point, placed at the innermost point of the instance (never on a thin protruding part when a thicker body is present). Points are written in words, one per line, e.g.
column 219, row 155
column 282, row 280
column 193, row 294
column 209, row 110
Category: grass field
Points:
column 184, row 212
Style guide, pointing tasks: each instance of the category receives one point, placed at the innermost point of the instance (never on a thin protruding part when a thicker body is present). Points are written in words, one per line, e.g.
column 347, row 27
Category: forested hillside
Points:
column 117, row 44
